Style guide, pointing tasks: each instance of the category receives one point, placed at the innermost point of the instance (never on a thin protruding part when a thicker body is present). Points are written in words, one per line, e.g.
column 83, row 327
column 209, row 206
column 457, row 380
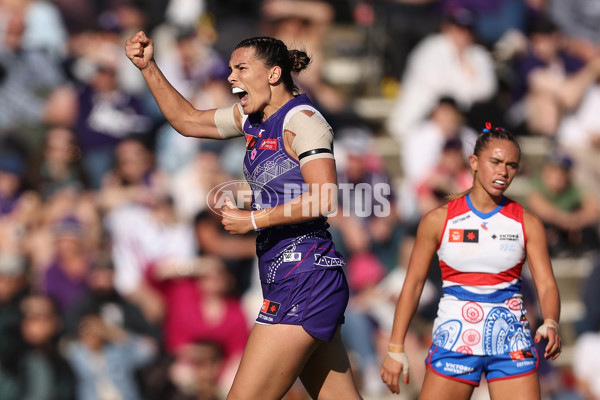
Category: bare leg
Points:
column 522, row 388
column 327, row 374
column 436, row 387
column 273, row 359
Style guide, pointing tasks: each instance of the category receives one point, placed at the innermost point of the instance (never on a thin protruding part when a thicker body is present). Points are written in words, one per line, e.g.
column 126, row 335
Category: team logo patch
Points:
column 270, row 307
column 464, row 235
column 291, row 257
column 268, row 144
column 521, row 355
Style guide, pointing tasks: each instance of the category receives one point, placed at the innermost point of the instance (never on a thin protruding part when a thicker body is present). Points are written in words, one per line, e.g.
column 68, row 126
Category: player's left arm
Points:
column 545, row 283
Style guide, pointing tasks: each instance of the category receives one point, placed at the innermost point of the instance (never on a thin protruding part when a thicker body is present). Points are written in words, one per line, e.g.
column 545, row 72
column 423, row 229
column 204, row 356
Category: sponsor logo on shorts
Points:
column 326, row 261
column 520, row 355
column 457, row 368
column 265, row 317
column 524, row 364
column 270, row 307
column 291, row 257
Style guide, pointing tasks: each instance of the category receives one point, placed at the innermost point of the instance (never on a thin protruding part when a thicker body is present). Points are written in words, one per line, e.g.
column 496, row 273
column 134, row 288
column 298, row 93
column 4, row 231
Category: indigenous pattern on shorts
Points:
column 275, row 178
column 481, row 257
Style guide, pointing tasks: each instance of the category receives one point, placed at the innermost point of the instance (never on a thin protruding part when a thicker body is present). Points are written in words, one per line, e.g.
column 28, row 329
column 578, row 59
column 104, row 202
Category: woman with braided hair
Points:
column 290, row 167
column 482, row 240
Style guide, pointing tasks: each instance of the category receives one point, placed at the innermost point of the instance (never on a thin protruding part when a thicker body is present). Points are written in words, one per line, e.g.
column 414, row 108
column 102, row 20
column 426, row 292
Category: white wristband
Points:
column 253, row 220
column 401, row 358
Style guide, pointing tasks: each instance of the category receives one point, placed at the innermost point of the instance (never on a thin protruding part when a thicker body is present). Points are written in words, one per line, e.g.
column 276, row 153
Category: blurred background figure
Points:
column 367, row 219
column 451, row 175
column 64, row 278
column 307, row 22
column 448, row 63
column 133, row 178
column 550, row 79
column 104, row 359
column 141, row 236
column 194, row 373
column 587, row 367
column 33, row 88
column 59, row 165
column 14, row 286
column 422, row 148
column 106, row 112
column 570, row 213
column 44, row 373
column 200, row 307
column 18, row 202
column 103, row 299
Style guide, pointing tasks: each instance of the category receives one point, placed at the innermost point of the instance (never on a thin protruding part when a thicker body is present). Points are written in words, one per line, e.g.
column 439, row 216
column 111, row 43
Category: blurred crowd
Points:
column 117, row 280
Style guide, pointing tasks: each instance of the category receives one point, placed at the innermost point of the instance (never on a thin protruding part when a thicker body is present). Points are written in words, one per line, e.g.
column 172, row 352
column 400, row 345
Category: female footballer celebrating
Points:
column 288, row 142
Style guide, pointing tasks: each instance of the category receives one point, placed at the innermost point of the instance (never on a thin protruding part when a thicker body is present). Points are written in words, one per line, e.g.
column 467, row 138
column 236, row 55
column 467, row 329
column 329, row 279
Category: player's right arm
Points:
column 426, row 243
column 180, row 113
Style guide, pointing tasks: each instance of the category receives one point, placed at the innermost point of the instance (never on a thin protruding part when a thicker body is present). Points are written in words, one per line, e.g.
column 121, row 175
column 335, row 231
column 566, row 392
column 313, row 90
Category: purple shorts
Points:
column 316, row 300
column 468, row 368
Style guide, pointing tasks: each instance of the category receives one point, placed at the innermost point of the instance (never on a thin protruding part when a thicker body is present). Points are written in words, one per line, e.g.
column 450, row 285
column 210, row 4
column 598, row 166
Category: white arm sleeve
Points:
column 314, row 137
column 225, row 122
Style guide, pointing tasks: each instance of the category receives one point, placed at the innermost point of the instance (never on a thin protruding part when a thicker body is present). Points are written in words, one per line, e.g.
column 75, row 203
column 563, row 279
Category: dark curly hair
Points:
column 274, row 52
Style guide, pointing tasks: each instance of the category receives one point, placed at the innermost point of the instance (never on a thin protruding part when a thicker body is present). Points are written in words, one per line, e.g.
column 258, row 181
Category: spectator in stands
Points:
column 34, row 91
column 421, row 149
column 43, row 371
column 448, row 63
column 18, row 204
column 569, row 212
column 199, row 307
column 307, row 22
column 59, row 164
column 14, row 286
column 579, row 20
column 102, row 299
column 134, row 177
column 405, row 23
column 586, row 365
column 193, row 373
column 65, row 277
column 367, row 219
column 579, row 135
column 550, row 81
column 106, row 112
column 590, row 297
column 450, row 175
column 104, row 359
column 141, row 236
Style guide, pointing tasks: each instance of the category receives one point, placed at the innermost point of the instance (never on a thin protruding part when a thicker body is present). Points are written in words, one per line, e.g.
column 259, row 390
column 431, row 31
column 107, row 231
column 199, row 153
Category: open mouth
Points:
column 242, row 94
column 499, row 182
